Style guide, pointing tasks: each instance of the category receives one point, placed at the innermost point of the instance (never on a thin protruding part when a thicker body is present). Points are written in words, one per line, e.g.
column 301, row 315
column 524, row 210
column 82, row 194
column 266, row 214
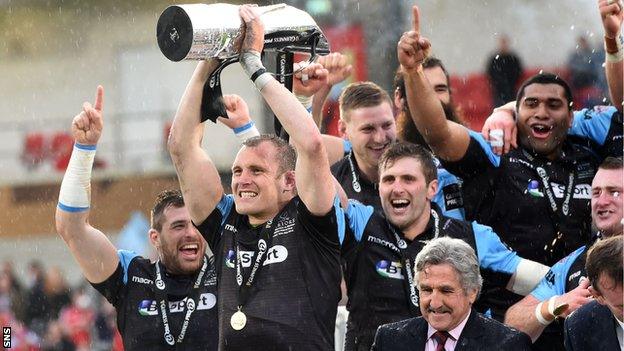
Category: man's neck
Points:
column 419, row 226
column 370, row 173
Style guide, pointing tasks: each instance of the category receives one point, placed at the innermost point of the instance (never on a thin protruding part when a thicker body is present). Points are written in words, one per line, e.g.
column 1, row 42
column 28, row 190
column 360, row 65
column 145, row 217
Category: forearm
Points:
column 293, row 116
column 522, row 317
column 615, row 72
column 425, row 108
column 318, row 101
column 187, row 129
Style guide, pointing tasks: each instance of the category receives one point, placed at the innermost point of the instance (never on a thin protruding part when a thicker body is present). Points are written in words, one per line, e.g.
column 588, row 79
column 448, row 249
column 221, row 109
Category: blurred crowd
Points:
column 46, row 313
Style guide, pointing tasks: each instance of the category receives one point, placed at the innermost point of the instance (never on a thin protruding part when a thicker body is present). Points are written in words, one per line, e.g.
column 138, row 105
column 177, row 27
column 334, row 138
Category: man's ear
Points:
column 596, row 294
column 399, row 102
column 154, row 238
column 570, row 118
column 289, row 181
column 342, row 129
column 432, row 189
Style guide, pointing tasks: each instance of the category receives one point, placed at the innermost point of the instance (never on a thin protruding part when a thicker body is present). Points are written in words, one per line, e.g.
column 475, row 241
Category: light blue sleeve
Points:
column 358, row 216
column 492, row 253
column 487, row 148
column 225, row 206
column 554, row 282
column 445, row 178
column 125, row 257
column 593, row 124
column 340, row 219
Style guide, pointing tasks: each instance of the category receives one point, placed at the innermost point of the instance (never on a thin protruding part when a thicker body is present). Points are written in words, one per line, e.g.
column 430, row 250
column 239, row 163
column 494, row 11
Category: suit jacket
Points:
column 480, row 333
column 591, row 327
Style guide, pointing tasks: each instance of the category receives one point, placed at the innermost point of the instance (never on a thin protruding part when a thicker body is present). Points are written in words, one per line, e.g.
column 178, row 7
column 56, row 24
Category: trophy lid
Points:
column 174, row 32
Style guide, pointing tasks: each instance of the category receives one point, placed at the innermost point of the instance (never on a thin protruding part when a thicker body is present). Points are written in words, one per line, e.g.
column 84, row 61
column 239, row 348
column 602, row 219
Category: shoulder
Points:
column 401, row 327
column 590, row 314
column 504, row 334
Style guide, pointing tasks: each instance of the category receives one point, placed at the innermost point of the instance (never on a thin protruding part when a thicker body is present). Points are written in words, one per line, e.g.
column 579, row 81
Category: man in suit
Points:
column 598, row 325
column 447, row 277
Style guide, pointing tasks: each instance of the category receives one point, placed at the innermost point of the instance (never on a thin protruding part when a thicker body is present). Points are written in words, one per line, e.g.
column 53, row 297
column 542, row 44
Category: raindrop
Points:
column 572, row 27
column 496, row 58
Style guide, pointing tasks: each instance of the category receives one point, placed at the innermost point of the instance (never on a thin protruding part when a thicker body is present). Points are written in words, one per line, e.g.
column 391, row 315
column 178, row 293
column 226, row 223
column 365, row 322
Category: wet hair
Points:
column 545, row 78
column 361, row 94
column 611, row 163
column 605, row 257
column 402, row 149
column 165, row 199
column 285, row 155
column 454, row 252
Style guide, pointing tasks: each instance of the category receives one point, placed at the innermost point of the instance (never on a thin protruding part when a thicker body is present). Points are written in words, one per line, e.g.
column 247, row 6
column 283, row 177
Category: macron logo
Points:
column 141, row 280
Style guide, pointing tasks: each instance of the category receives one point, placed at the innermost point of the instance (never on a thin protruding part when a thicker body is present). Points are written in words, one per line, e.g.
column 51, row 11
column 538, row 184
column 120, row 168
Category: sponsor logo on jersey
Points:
column 581, row 191
column 550, row 277
column 275, row 254
column 150, row 307
column 141, row 280
column 283, row 227
column 382, row 242
column 533, row 189
column 574, row 275
column 389, row 269
column 452, row 197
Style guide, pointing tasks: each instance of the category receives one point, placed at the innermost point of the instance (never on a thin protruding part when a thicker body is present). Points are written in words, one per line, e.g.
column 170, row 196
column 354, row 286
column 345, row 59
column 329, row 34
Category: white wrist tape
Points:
column 617, row 56
column 247, row 131
column 75, row 194
column 252, row 65
column 538, row 315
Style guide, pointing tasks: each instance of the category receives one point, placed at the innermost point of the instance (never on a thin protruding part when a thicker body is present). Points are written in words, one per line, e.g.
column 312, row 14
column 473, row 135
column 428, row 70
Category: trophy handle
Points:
column 212, row 105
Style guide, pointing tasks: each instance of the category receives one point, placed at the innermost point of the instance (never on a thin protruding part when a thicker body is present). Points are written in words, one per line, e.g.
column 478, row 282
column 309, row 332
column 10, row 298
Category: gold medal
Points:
column 238, row 320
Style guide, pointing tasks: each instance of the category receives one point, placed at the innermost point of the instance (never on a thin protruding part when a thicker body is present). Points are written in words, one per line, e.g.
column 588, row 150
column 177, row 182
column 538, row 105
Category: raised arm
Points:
column 447, row 139
column 95, row 254
column 314, row 181
column 612, row 15
column 199, row 180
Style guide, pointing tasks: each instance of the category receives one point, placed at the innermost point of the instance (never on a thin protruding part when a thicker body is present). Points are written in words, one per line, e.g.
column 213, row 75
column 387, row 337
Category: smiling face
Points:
column 371, row 130
column 607, row 201
column 443, row 301
column 543, row 118
column 179, row 244
column 258, row 186
column 405, row 193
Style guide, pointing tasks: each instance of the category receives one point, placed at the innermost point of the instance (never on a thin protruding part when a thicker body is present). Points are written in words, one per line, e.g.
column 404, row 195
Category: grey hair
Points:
column 454, row 252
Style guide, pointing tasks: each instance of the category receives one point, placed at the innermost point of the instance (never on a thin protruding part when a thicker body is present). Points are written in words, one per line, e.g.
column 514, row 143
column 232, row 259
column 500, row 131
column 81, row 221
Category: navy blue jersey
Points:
column 294, row 297
column 131, row 290
column 602, row 127
column 375, row 274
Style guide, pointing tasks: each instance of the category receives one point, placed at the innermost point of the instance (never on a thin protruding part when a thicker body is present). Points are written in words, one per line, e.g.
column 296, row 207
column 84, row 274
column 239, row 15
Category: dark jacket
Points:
column 480, row 333
column 591, row 327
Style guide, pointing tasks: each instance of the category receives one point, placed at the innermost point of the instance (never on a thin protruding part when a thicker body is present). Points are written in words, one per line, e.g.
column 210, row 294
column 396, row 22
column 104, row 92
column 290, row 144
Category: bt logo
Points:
column 389, row 269
column 150, row 307
column 275, row 254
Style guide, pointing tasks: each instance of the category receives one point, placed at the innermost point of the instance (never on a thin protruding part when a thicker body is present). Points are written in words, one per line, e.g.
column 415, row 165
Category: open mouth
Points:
column 604, row 213
column 399, row 203
column 189, row 249
column 541, row 131
column 247, row 194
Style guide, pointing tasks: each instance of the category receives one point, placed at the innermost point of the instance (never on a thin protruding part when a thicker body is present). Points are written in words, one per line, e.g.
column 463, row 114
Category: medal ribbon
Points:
column 407, row 264
column 161, row 296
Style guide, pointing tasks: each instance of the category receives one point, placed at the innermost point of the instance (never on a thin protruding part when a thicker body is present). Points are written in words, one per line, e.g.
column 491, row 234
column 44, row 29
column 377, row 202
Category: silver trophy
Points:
column 200, row 31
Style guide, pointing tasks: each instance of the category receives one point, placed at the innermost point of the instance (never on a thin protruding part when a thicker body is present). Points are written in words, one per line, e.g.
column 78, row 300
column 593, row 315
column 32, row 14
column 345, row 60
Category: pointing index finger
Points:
column 416, row 19
column 99, row 98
